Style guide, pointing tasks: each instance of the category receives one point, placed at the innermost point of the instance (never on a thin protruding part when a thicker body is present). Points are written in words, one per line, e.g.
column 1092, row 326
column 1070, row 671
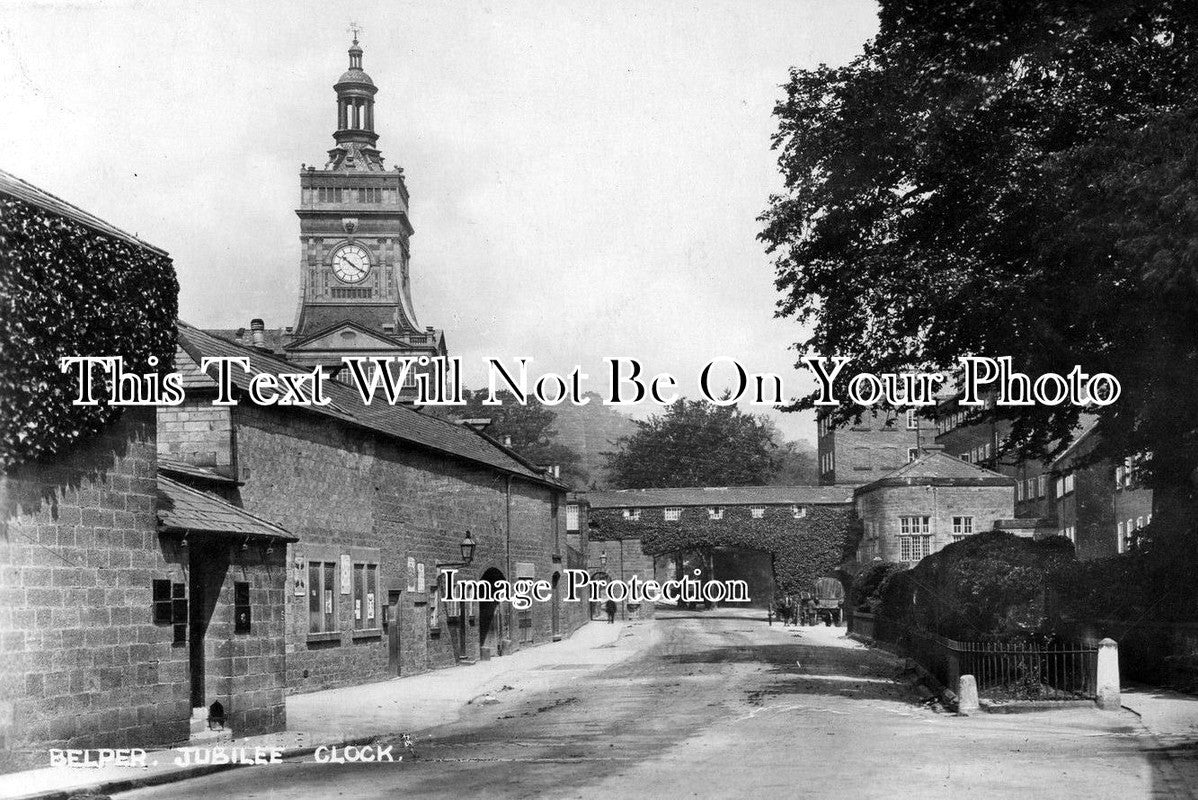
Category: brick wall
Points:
column 84, row 665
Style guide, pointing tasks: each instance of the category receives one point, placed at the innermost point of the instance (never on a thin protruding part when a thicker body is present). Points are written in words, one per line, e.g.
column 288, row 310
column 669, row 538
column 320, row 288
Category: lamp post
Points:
column 467, row 546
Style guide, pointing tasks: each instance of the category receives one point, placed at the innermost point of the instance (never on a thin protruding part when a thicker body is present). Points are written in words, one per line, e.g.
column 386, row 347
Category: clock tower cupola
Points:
column 355, row 234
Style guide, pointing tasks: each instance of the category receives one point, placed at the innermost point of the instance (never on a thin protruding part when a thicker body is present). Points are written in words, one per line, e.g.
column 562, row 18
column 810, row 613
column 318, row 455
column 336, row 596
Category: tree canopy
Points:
column 1006, row 179
column 696, row 443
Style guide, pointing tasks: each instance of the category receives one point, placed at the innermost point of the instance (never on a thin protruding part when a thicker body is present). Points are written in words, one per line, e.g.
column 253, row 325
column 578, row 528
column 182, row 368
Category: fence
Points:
column 1023, row 670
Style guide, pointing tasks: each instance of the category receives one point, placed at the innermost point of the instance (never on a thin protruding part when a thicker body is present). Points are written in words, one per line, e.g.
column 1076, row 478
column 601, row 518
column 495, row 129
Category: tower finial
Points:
column 355, row 29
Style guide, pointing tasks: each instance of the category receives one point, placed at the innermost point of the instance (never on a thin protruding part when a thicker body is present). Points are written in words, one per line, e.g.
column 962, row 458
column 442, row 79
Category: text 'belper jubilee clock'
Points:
column 356, row 296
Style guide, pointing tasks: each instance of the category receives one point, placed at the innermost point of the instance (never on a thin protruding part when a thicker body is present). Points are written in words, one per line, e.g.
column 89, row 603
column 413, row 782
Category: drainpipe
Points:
column 507, row 553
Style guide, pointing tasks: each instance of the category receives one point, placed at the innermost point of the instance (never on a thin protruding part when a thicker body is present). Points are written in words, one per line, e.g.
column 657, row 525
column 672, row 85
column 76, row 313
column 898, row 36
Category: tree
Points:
column 695, row 443
column 527, row 429
column 1008, row 179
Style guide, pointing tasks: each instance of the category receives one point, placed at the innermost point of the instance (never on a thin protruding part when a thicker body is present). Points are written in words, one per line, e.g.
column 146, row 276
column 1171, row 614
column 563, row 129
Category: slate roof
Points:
column 182, row 508
column 722, row 496
column 399, row 422
column 182, row 468
column 936, row 468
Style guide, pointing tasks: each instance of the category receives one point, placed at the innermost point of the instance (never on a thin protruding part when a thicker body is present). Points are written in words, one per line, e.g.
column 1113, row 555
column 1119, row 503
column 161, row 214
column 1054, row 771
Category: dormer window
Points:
column 798, row 512
column 715, row 512
column 757, row 512
column 632, row 514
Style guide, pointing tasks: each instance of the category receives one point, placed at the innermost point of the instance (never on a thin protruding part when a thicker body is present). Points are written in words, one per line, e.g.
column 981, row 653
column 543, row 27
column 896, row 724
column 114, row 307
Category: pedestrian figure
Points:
column 610, row 608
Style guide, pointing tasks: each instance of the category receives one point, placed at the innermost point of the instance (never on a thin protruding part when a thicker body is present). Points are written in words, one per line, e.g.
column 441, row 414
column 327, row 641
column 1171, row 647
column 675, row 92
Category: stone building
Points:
column 355, row 253
column 789, row 535
column 935, row 500
column 130, row 603
column 381, row 498
column 875, row 444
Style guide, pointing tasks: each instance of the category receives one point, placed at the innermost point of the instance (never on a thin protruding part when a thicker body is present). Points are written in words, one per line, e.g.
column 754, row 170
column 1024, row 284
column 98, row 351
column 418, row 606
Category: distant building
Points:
column 876, row 444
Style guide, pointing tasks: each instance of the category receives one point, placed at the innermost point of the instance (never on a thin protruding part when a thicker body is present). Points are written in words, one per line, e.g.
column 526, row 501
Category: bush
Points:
column 867, row 586
column 992, row 585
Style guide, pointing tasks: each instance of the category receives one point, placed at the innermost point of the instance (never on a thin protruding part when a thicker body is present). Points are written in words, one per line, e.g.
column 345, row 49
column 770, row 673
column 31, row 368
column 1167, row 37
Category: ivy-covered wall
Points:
column 68, row 290
column 804, row 549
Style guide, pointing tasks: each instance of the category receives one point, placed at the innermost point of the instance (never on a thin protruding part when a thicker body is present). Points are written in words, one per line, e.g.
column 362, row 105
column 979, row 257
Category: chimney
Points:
column 258, row 333
column 932, row 448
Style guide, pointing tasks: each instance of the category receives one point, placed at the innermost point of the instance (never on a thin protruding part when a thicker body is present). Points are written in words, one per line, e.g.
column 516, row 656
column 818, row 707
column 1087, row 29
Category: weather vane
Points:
column 355, row 29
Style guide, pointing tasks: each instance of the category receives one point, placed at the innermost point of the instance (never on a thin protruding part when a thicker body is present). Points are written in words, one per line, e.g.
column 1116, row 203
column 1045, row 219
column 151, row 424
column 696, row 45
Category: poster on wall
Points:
column 347, row 571
column 420, row 577
column 411, row 574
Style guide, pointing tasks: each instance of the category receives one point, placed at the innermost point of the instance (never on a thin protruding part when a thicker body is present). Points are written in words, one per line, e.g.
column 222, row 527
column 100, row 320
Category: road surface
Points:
column 721, row 705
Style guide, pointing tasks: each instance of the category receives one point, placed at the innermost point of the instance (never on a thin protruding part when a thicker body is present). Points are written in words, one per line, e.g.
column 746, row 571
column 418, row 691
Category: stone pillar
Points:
column 967, row 695
column 1108, row 675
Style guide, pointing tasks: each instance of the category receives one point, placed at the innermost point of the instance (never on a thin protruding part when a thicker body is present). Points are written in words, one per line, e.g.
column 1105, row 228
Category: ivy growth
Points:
column 803, row 549
column 68, row 290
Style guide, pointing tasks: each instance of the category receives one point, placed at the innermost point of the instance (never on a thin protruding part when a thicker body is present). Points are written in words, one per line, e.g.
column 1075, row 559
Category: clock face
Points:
column 351, row 263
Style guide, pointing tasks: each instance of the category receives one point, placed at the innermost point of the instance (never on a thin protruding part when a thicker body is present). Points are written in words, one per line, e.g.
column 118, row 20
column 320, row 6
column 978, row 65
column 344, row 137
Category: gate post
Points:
column 1107, row 682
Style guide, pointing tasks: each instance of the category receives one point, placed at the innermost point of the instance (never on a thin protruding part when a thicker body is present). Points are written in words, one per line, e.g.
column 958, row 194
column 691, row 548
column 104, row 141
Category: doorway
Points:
column 207, row 565
column 490, row 620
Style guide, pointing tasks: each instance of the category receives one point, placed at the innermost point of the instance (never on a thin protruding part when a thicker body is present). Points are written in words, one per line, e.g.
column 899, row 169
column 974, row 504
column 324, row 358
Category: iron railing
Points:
column 1039, row 670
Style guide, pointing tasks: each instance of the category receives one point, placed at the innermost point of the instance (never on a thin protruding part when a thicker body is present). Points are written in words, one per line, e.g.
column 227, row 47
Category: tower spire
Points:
column 355, row 134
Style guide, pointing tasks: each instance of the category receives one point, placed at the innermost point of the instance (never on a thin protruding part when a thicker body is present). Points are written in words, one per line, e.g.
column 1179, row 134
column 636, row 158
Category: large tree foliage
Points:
column 695, row 443
column 1007, row 179
column 527, row 429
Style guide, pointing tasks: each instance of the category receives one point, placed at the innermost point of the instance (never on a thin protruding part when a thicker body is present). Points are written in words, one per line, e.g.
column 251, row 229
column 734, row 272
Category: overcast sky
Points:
column 585, row 177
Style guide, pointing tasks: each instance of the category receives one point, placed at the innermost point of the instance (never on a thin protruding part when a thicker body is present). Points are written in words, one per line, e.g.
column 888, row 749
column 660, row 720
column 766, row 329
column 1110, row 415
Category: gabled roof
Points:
column 1087, row 424
column 397, row 422
column 182, row 508
column 936, row 468
column 298, row 343
column 722, row 496
column 12, row 185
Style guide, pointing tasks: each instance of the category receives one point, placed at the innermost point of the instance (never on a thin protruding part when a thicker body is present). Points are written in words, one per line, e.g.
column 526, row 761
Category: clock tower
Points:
column 355, row 295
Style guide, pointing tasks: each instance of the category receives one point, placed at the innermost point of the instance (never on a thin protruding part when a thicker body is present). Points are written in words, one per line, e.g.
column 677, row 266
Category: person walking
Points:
column 610, row 608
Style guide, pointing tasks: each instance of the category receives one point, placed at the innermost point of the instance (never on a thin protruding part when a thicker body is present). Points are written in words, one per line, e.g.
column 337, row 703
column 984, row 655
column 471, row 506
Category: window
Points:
column 1070, row 533
column 798, row 512
column 966, row 458
column 861, row 458
column 962, row 527
column 673, row 513
column 1041, row 485
column 633, row 514
column 1139, row 522
column 322, row 596
column 169, row 607
column 1018, row 491
column 366, row 579
column 913, row 525
column 912, row 420
column 757, row 512
column 914, row 548
column 1121, row 537
column 1069, row 483
column 715, row 512
column 571, row 518
column 912, row 454
column 241, row 607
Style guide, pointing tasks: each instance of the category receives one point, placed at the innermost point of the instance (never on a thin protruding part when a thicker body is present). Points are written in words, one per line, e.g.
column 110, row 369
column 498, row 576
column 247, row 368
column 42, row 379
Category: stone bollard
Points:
column 1108, row 675
column 967, row 695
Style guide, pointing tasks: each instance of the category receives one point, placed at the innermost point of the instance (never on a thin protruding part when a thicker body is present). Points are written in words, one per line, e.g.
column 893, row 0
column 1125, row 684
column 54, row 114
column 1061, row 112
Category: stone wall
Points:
column 883, row 506
column 348, row 493
column 84, row 664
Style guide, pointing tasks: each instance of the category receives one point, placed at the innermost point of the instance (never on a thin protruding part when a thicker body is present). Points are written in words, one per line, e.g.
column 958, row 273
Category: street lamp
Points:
column 467, row 547
column 468, row 544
